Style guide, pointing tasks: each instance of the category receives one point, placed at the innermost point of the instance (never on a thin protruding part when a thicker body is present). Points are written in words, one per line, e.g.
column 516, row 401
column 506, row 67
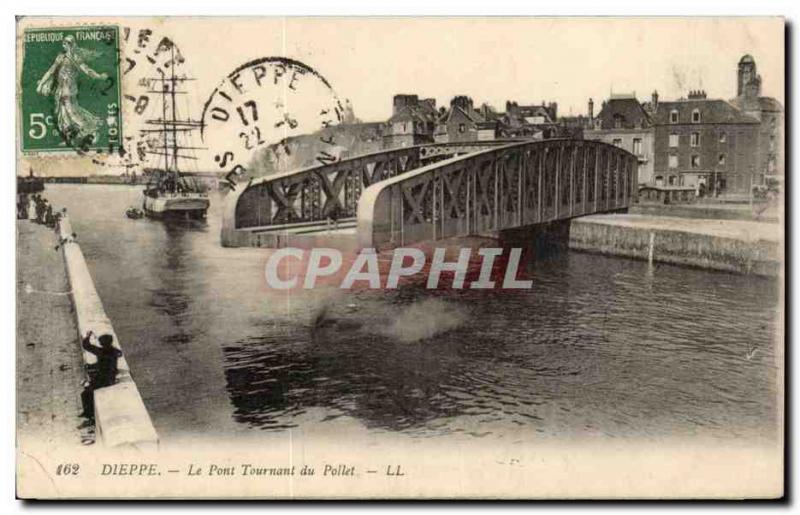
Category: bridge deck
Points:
column 430, row 192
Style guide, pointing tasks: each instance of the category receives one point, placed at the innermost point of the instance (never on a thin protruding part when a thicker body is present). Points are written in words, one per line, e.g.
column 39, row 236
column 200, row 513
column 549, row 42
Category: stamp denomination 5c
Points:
column 70, row 90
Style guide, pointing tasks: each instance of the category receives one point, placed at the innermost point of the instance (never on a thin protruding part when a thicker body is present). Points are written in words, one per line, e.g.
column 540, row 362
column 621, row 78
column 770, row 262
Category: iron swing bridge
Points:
column 431, row 192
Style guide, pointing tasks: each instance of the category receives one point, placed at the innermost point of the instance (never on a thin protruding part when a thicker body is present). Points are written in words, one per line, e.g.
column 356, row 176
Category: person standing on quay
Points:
column 32, row 206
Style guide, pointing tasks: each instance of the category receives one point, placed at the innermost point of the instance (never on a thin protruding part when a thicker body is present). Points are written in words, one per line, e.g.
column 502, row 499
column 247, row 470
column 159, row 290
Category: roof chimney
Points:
column 697, row 94
column 654, row 101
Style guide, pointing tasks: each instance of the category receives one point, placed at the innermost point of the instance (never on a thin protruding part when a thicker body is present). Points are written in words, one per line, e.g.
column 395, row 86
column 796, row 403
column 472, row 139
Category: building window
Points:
column 617, row 121
column 673, row 116
column 617, row 142
column 696, row 116
column 771, row 165
column 461, row 127
column 695, row 161
column 637, row 146
column 695, row 141
column 723, row 137
column 721, row 160
column 673, row 140
column 772, row 142
column 672, row 180
column 673, row 161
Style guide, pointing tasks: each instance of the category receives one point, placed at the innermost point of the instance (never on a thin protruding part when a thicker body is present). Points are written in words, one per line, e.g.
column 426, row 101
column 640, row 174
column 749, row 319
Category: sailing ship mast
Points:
column 168, row 193
column 170, row 125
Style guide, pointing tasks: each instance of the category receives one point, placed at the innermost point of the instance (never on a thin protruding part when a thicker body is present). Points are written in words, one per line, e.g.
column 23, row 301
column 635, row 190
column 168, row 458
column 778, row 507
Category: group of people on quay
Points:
column 36, row 208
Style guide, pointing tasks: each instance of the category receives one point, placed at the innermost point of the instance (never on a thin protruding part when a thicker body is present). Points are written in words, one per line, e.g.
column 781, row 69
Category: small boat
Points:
column 134, row 213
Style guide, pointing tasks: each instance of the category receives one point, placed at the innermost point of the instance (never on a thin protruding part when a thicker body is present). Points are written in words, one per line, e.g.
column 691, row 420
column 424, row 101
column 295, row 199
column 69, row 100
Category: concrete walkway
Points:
column 49, row 365
column 763, row 213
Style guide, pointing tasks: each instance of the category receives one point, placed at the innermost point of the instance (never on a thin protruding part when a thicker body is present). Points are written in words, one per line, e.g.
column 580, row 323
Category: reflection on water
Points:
column 599, row 347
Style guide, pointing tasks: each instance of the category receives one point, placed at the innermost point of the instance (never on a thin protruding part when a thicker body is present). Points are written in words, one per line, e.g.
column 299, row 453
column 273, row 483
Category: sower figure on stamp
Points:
column 104, row 372
column 76, row 124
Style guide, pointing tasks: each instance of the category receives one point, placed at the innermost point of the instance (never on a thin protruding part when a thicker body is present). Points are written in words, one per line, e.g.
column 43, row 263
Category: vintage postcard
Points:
column 400, row 258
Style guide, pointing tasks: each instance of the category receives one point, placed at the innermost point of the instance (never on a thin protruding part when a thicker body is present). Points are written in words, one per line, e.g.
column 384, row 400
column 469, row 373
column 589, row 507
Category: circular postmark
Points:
column 265, row 102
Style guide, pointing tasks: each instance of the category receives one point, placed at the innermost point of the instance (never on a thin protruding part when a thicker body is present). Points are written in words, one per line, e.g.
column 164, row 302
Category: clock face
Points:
column 262, row 103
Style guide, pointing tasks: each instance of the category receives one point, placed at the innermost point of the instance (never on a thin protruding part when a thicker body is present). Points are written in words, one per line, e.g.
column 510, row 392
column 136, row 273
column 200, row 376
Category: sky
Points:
column 529, row 60
column 566, row 60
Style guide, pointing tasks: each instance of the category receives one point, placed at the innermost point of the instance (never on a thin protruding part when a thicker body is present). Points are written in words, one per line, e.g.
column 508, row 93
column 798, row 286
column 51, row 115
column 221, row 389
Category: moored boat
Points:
column 175, row 197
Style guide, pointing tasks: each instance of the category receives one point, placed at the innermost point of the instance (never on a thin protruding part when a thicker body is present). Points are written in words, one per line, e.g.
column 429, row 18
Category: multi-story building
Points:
column 767, row 110
column 416, row 121
column 529, row 121
column 705, row 143
column 413, row 122
column 623, row 121
column 462, row 122
column 719, row 146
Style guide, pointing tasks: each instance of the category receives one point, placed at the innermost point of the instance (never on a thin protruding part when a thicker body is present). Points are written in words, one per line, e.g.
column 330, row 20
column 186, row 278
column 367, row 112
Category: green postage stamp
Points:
column 70, row 90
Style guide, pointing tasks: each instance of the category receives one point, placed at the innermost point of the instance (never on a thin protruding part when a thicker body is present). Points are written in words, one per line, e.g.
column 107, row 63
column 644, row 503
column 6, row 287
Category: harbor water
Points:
column 599, row 347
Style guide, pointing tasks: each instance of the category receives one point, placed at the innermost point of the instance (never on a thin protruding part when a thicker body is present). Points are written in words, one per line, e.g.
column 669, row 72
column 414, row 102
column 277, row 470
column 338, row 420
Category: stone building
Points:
column 624, row 122
column 462, row 122
column 413, row 122
column 529, row 121
column 720, row 146
column 416, row 121
column 702, row 141
column 768, row 111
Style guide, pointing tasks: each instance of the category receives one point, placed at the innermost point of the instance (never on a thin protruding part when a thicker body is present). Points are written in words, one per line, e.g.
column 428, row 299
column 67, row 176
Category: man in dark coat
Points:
column 104, row 372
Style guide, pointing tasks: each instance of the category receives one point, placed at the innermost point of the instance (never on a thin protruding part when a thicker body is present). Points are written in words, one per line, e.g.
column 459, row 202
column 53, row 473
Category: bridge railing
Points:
column 511, row 186
column 316, row 193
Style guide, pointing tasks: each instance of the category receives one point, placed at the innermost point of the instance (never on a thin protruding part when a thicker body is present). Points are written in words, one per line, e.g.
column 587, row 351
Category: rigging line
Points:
column 192, row 149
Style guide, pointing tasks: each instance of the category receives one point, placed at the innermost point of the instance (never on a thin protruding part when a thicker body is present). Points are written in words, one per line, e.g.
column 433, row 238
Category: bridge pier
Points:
column 540, row 241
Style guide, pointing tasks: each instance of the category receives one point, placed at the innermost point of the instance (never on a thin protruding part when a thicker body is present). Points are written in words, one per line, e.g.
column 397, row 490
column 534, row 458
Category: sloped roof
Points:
column 769, row 104
column 488, row 112
column 523, row 115
column 628, row 110
column 534, row 110
column 427, row 106
column 470, row 114
column 711, row 111
column 512, row 121
column 414, row 114
column 580, row 121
